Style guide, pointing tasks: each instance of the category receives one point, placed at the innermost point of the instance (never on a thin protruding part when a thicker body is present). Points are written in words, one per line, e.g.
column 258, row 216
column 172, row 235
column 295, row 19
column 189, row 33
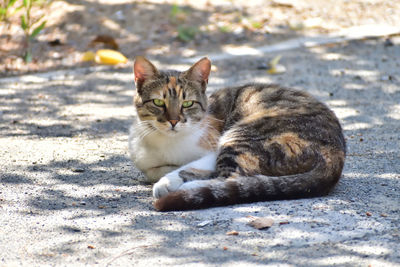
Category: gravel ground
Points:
column 70, row 196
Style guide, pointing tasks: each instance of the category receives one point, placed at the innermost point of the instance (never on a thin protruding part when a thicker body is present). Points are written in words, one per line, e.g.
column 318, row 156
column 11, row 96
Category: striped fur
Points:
column 273, row 143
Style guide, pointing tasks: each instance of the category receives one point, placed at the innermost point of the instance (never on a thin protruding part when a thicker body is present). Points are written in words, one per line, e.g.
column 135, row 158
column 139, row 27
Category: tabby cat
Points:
column 243, row 144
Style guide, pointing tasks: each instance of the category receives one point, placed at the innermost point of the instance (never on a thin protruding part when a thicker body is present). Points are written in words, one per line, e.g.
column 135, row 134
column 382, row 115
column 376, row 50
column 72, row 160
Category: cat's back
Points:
column 269, row 99
column 268, row 110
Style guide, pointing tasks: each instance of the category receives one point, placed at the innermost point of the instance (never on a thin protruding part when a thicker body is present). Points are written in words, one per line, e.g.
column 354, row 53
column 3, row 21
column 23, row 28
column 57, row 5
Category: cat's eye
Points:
column 187, row 104
column 159, row 102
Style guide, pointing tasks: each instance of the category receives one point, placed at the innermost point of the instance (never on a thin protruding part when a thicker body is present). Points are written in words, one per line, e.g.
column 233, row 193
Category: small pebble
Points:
column 387, row 78
column 263, row 66
column 388, row 42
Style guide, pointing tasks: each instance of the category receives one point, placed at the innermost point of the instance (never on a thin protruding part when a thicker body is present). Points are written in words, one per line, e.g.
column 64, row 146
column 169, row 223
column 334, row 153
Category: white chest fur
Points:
column 158, row 149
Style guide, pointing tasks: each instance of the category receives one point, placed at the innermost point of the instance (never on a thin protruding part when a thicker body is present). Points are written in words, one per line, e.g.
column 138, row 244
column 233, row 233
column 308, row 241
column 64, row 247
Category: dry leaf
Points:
column 106, row 40
column 261, row 223
column 54, row 42
column 232, row 233
column 282, row 3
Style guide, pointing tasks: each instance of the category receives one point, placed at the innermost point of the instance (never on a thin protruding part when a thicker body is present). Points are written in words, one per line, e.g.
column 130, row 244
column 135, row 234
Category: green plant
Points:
column 186, row 33
column 31, row 27
column 6, row 10
column 225, row 28
column 177, row 14
column 175, row 10
column 257, row 25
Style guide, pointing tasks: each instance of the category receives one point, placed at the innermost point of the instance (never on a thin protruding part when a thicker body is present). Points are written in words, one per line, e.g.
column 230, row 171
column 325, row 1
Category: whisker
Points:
column 145, row 133
column 143, row 129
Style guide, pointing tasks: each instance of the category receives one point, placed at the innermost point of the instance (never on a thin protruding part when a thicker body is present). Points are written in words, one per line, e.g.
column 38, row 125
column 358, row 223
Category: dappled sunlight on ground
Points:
column 70, row 195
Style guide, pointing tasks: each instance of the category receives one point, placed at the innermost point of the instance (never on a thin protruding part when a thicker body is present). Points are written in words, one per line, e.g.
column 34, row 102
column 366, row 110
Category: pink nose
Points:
column 173, row 122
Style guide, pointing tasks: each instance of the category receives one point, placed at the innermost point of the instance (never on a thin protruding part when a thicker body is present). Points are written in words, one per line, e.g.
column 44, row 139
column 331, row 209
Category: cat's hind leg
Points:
column 195, row 174
column 194, row 178
column 172, row 181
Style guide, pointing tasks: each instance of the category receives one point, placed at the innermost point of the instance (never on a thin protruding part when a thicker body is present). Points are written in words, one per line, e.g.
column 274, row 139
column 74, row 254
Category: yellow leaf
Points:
column 278, row 69
column 275, row 61
column 88, row 56
column 274, row 67
column 109, row 57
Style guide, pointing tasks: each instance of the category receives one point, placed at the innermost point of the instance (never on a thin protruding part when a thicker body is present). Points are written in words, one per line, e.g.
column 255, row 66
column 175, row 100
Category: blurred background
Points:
column 42, row 35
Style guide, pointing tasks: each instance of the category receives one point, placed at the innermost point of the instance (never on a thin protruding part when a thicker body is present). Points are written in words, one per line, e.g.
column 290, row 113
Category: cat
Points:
column 255, row 142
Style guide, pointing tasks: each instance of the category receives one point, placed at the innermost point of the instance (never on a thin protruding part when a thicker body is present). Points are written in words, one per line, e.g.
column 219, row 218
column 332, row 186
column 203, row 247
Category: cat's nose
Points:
column 173, row 122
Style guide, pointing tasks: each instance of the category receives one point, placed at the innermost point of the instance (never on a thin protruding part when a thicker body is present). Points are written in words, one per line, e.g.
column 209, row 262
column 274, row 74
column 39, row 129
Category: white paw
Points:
column 169, row 183
column 193, row 185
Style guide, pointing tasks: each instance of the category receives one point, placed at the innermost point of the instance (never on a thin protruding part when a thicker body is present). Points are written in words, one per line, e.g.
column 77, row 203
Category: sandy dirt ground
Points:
column 176, row 28
column 69, row 196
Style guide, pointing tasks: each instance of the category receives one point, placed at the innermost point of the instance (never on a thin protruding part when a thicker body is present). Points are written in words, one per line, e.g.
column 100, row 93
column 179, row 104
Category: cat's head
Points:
column 172, row 102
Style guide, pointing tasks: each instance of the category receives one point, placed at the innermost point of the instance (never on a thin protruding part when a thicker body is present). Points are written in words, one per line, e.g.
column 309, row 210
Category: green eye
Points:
column 187, row 104
column 159, row 102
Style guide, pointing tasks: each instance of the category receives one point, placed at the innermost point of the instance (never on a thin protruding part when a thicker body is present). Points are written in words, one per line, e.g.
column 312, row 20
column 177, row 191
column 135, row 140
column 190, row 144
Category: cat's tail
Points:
column 244, row 189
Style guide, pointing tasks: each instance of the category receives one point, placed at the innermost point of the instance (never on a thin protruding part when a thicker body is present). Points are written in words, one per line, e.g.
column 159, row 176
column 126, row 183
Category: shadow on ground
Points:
column 357, row 79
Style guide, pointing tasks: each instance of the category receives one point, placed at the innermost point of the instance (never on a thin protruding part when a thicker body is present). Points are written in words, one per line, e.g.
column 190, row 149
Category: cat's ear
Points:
column 143, row 70
column 200, row 71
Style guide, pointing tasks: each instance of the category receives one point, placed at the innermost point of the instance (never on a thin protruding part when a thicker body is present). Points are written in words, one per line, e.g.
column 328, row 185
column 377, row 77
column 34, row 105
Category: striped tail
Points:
column 244, row 189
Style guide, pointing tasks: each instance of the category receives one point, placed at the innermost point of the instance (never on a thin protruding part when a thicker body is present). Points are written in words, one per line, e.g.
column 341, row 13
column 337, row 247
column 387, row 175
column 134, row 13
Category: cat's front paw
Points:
column 169, row 183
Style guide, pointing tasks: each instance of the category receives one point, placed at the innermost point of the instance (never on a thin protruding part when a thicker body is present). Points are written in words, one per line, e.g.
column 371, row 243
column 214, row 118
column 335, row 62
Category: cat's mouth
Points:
column 172, row 131
column 169, row 131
